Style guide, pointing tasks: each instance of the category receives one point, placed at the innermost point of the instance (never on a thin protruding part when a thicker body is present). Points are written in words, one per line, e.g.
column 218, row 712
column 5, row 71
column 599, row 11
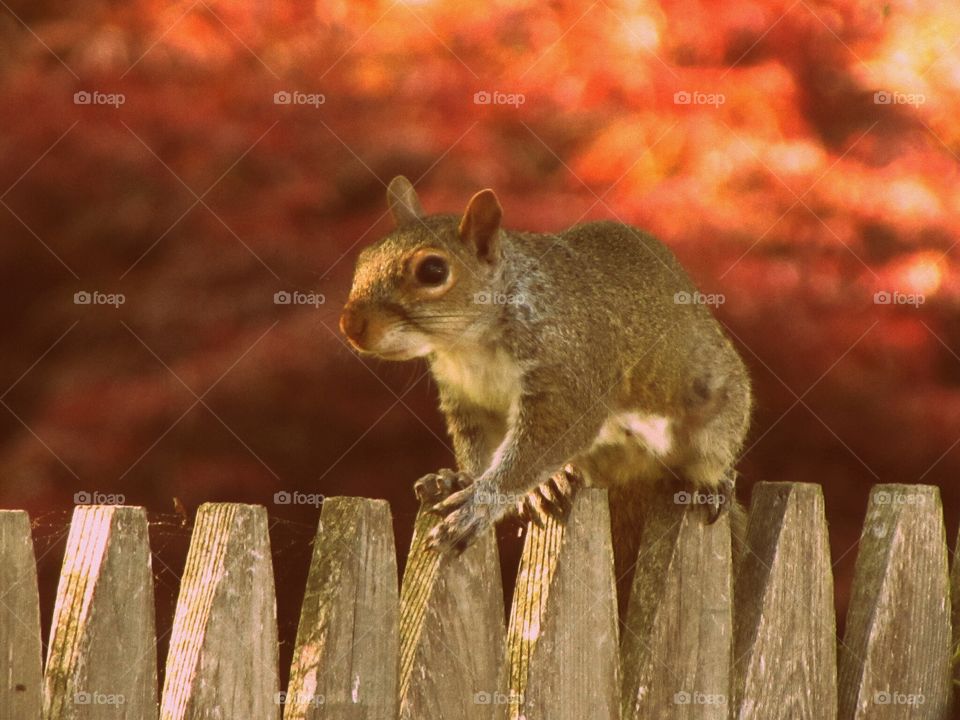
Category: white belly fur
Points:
column 652, row 431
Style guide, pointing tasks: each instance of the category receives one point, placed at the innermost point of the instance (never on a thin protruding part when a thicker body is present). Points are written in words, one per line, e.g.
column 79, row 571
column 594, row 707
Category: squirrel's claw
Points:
column 554, row 498
column 452, row 502
column 532, row 508
column 436, row 486
column 566, row 483
column 721, row 499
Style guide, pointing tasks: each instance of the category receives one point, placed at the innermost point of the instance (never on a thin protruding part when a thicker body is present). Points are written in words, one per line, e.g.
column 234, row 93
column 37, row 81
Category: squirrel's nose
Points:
column 353, row 324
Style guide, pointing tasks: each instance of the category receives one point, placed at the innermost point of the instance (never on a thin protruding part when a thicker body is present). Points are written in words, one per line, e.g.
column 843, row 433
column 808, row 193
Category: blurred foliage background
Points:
column 799, row 156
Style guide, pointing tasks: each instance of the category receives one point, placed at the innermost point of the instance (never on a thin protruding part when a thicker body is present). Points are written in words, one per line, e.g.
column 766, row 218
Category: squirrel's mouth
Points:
column 394, row 346
column 395, row 355
column 372, row 334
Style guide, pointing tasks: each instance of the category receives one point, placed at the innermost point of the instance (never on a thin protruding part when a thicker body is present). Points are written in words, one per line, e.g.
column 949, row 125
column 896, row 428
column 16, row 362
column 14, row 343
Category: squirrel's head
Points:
column 425, row 286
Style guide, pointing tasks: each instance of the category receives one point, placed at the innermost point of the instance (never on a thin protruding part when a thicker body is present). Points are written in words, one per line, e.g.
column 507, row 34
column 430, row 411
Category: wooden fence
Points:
column 702, row 639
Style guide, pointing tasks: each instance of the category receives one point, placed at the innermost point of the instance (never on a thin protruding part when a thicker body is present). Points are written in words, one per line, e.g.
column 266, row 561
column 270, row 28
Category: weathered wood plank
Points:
column 678, row 635
column 451, row 631
column 563, row 641
column 345, row 661
column 895, row 655
column 955, row 595
column 102, row 659
column 785, row 633
column 21, row 679
column 222, row 662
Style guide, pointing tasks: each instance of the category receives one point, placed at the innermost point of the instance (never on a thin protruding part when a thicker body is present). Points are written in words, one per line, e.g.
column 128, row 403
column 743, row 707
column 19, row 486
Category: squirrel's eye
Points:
column 432, row 270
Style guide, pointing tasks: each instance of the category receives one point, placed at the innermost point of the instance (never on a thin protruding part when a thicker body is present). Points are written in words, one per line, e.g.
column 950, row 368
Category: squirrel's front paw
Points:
column 466, row 513
column 436, row 486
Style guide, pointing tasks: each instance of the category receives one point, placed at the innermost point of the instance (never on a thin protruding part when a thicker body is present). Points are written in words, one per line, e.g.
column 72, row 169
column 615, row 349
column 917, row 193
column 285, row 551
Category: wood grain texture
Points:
column 102, row 658
column 345, row 662
column 222, row 662
column 955, row 595
column 563, row 640
column 21, row 680
column 895, row 655
column 785, row 634
column 678, row 634
column 451, row 631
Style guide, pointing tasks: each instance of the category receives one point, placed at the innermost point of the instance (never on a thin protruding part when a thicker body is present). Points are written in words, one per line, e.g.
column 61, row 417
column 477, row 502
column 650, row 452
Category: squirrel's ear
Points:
column 480, row 226
column 403, row 201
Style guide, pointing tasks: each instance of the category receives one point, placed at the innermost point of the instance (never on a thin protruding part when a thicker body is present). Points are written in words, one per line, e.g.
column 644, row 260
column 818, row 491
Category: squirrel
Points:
column 579, row 358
